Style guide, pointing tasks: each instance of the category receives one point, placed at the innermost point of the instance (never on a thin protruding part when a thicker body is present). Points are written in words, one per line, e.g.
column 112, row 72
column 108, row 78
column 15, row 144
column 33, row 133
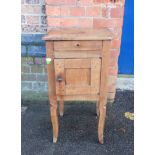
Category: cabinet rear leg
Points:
column 61, row 106
column 97, row 108
column 54, row 120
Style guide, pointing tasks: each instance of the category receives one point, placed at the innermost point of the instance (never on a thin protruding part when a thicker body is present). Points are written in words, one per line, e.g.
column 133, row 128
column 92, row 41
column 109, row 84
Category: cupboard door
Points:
column 77, row 76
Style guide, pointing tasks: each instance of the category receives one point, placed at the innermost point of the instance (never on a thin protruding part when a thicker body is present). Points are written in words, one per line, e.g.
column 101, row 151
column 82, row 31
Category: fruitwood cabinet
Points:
column 78, row 66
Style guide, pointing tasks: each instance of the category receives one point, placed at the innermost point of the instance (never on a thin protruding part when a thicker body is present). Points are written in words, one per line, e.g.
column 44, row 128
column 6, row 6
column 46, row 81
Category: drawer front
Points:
column 77, row 45
column 77, row 76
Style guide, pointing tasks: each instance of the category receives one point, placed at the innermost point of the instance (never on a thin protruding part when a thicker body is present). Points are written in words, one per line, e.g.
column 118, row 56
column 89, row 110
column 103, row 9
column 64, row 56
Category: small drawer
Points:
column 77, row 45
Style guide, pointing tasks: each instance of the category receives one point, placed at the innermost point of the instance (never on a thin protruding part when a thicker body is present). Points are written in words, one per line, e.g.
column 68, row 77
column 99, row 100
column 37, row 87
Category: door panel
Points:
column 81, row 76
column 77, row 76
column 77, row 63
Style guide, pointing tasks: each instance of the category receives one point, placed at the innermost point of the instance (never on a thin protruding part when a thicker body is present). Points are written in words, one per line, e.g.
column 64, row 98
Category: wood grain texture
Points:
column 80, row 97
column 80, row 76
column 79, row 90
column 79, row 34
column 95, row 74
column 103, row 88
column 77, row 63
column 59, row 73
column 77, row 54
column 52, row 91
column 77, row 45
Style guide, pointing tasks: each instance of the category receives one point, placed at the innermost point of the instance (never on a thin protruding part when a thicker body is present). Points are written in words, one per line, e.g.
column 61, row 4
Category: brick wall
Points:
column 60, row 14
column 33, row 18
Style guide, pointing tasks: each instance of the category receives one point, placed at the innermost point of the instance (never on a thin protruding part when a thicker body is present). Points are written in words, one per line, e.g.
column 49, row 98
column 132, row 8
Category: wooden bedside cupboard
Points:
column 78, row 69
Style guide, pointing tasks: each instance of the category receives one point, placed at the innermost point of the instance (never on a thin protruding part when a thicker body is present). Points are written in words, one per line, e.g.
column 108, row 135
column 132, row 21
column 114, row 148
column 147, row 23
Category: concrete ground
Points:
column 125, row 83
column 78, row 129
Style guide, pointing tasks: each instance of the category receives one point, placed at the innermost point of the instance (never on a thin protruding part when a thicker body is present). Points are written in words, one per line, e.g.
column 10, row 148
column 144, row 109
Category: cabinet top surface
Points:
column 79, row 34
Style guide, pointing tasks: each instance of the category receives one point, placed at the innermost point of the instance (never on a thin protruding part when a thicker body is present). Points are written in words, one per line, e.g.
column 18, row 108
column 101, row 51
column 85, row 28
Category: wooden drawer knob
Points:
column 77, row 44
column 59, row 78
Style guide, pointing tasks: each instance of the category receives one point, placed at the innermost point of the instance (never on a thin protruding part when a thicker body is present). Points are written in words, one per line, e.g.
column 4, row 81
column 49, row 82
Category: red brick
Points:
column 107, row 1
column 114, row 52
column 98, row 1
column 117, row 12
column 93, row 11
column 114, row 58
column 113, row 61
column 85, row 2
column 52, row 10
column 61, row 2
column 77, row 11
column 110, row 1
column 32, row 19
column 113, row 70
column 110, row 23
column 112, row 83
column 117, row 32
column 101, row 1
column 115, row 43
column 104, row 12
column 69, row 22
column 86, row 23
column 64, row 11
column 53, row 22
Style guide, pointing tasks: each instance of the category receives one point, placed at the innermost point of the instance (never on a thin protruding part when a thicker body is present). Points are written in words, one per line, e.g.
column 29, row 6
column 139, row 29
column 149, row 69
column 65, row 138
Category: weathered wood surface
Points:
column 79, row 98
column 103, row 89
column 77, row 54
column 77, row 45
column 79, row 34
column 79, row 76
column 79, row 71
column 52, row 91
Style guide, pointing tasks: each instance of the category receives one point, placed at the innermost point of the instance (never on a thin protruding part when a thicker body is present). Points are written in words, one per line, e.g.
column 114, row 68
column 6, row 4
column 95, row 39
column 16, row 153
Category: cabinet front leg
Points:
column 103, row 88
column 54, row 120
column 101, row 122
column 52, row 89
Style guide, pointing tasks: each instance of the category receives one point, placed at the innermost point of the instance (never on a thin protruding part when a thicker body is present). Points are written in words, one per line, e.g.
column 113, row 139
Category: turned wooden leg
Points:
column 97, row 108
column 101, row 122
column 54, row 120
column 61, row 106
